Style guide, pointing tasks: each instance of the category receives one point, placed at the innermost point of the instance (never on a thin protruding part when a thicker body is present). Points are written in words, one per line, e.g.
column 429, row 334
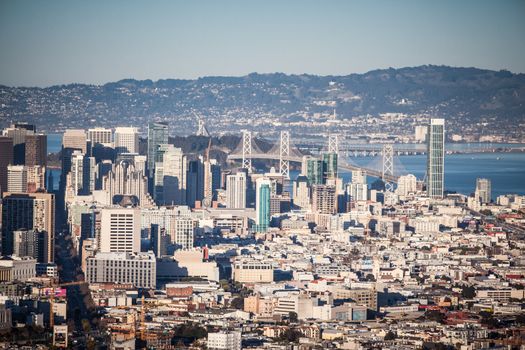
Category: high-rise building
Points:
column 330, row 165
column 357, row 191
column 406, row 185
column 436, row 158
column 83, row 173
column 30, row 243
column 18, row 133
column 324, row 199
column 120, row 230
column 17, row 178
column 212, row 181
column 483, row 190
column 158, row 134
column 236, row 190
column 6, row 158
column 301, row 192
column 358, row 176
column 123, row 178
column 194, row 182
column 420, row 133
column 33, row 211
column 315, row 171
column 170, row 177
column 100, row 136
column 36, row 150
column 36, row 178
column 126, row 140
column 182, row 232
column 262, row 204
column 75, row 139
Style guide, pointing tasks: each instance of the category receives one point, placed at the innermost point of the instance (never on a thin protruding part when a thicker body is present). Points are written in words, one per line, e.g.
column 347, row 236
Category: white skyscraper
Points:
column 100, row 136
column 120, row 230
column 406, row 184
column 236, row 190
column 17, row 178
column 127, row 140
column 436, row 158
column 359, row 177
column 171, row 176
column 301, row 192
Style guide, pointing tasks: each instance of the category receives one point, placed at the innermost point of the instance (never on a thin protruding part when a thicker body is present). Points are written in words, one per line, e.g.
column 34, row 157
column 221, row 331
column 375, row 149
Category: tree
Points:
column 370, row 278
column 390, row 336
column 237, row 303
column 468, row 292
column 292, row 316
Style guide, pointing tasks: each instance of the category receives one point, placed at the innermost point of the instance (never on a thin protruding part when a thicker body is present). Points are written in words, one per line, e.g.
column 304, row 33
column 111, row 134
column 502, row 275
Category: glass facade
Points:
column 314, row 171
column 330, row 165
column 263, row 206
column 157, row 135
column 436, row 158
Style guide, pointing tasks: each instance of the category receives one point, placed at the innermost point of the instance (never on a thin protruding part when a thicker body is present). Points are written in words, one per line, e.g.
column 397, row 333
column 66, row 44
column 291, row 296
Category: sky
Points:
column 51, row 42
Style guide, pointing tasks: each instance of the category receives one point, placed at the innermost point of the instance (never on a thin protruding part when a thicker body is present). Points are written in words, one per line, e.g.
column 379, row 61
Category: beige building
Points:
column 252, row 271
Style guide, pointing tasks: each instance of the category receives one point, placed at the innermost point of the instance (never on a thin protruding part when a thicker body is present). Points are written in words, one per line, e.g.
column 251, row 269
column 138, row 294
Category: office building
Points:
column 262, row 204
column 358, row 176
column 324, row 199
column 17, row 178
column 31, row 243
column 182, row 232
column 170, row 177
column 420, row 133
column 252, row 271
column 195, row 182
column 330, row 165
column 158, row 134
column 82, row 174
column 138, row 269
column 236, row 191
column 18, row 133
column 357, row 191
column 212, row 181
column 100, row 136
column 483, row 190
column 126, row 140
column 301, row 192
column 33, row 211
column 36, row 150
column 6, row 158
column 124, row 179
column 315, row 171
column 75, row 139
column 436, row 158
column 120, row 230
column 406, row 184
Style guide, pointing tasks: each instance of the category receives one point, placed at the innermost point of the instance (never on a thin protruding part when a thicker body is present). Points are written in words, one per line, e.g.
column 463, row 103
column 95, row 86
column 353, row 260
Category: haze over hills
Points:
column 464, row 96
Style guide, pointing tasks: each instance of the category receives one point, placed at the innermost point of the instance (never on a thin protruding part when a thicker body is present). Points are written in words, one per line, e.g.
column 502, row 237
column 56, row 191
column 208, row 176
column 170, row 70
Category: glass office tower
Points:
column 157, row 135
column 436, row 158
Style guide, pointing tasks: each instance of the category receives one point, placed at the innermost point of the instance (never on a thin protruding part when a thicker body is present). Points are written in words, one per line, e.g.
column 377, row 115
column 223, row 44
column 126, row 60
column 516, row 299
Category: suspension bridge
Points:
column 285, row 152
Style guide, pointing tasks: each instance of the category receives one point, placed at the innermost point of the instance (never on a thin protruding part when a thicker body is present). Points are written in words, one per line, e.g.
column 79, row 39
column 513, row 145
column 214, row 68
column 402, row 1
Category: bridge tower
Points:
column 333, row 143
column 247, row 150
column 284, row 152
column 388, row 166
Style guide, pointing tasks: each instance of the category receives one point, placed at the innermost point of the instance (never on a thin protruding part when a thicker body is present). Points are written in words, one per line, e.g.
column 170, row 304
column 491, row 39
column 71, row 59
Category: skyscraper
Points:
column 483, row 190
column 34, row 211
column 158, row 134
column 6, row 158
column 212, row 181
column 83, row 171
column 324, row 199
column 17, row 178
column 126, row 140
column 170, row 177
column 315, row 171
column 120, row 230
column 36, row 150
column 262, row 204
column 301, row 192
column 18, row 133
column 236, row 190
column 100, row 136
column 195, row 182
column 75, row 139
column 435, row 158
column 330, row 165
